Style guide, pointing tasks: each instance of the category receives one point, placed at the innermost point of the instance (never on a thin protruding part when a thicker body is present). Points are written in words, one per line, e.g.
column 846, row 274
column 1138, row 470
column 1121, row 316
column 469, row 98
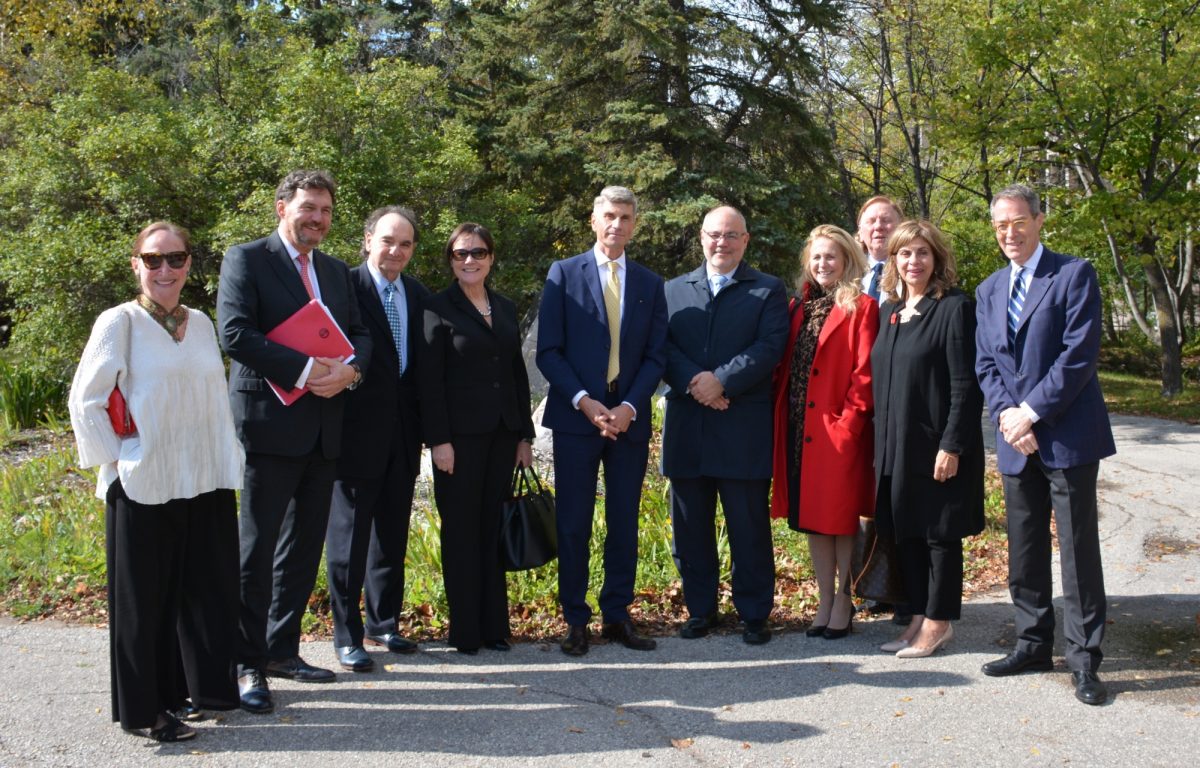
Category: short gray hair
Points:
column 377, row 214
column 1019, row 192
column 616, row 196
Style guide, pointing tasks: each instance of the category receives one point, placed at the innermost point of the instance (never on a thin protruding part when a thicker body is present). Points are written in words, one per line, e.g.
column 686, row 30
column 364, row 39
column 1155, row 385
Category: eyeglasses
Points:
column 462, row 254
column 727, row 236
column 175, row 259
column 1016, row 225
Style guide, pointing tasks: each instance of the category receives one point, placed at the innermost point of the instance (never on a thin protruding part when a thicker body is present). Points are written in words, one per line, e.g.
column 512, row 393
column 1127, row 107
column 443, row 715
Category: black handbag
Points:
column 528, row 537
column 874, row 569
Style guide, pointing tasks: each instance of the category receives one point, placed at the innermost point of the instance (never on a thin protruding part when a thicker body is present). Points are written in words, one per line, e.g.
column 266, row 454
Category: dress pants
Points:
column 1029, row 497
column 746, row 504
column 468, row 503
column 933, row 576
column 285, row 508
column 172, row 603
column 365, row 544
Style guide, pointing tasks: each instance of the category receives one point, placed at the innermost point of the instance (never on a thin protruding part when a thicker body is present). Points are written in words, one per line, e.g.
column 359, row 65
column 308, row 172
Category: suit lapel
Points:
column 460, row 300
column 837, row 316
column 591, row 279
column 1043, row 278
column 372, row 303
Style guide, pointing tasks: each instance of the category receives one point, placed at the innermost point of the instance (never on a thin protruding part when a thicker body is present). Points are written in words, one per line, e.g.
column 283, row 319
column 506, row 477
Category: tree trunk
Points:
column 1164, row 311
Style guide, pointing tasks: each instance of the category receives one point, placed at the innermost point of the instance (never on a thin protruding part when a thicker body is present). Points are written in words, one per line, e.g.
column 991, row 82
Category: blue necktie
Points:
column 873, row 286
column 719, row 282
column 1016, row 303
column 393, row 318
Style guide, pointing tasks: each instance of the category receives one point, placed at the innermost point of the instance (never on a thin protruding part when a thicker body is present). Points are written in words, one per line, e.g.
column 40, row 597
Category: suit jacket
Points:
column 1053, row 365
column 838, row 421
column 382, row 415
column 573, row 342
column 472, row 376
column 739, row 335
column 926, row 400
column 259, row 289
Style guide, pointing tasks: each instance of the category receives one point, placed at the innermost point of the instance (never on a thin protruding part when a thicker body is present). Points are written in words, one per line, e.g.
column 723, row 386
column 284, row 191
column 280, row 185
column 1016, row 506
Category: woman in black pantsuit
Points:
column 928, row 434
column 475, row 414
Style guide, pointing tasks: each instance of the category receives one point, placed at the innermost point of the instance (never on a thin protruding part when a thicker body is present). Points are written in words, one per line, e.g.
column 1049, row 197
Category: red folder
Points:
column 314, row 332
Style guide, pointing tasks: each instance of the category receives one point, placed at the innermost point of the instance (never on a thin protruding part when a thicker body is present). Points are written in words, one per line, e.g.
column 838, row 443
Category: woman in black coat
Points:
column 928, row 434
column 475, row 414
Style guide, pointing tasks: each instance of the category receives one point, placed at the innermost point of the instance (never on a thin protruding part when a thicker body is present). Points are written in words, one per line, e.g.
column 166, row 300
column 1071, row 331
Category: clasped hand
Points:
column 708, row 390
column 1017, row 430
column 610, row 422
column 329, row 376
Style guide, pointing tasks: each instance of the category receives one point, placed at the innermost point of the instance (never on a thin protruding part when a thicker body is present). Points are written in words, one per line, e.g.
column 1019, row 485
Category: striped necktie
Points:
column 302, row 258
column 1016, row 302
column 393, row 318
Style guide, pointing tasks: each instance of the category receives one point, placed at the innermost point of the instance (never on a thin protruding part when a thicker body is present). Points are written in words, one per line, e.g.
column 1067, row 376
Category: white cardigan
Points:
column 186, row 444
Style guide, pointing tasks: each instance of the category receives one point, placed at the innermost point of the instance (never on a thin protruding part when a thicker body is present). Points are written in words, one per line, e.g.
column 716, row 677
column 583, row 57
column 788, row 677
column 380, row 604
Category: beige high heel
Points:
column 912, row 652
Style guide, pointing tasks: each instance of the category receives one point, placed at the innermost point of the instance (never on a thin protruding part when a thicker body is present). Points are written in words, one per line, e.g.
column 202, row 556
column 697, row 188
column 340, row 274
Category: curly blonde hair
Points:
column 849, row 287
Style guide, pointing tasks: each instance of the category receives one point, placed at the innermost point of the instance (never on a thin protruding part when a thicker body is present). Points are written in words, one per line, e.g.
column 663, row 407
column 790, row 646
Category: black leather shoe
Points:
column 354, row 658
column 624, row 633
column 815, row 631
column 576, row 641
column 299, row 670
column 698, row 626
column 393, row 641
column 188, row 712
column 1016, row 663
column 254, row 692
column 498, row 645
column 1089, row 689
column 837, row 634
column 756, row 632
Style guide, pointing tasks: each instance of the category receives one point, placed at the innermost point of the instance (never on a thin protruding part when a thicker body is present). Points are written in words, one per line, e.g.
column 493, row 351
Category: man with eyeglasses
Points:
column 1038, row 344
column 727, row 328
column 290, row 449
column 601, row 327
column 367, row 537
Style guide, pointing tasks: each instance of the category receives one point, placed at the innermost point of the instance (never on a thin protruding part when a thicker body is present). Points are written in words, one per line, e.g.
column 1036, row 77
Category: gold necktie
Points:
column 612, row 305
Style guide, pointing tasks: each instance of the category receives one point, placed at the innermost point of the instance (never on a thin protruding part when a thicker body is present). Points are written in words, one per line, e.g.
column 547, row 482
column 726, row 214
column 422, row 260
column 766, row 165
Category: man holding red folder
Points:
column 291, row 450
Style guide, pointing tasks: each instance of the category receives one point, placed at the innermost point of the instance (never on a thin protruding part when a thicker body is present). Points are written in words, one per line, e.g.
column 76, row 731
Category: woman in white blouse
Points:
column 171, row 516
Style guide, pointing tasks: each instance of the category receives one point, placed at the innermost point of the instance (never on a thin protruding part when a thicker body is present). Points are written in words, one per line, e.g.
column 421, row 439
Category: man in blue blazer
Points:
column 1038, row 342
column 367, row 536
column 726, row 331
column 601, row 327
column 290, row 449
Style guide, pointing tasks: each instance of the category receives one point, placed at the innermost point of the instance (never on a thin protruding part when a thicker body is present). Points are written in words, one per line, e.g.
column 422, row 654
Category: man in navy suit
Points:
column 367, row 537
column 726, row 331
column 601, row 327
column 1038, row 343
column 290, row 450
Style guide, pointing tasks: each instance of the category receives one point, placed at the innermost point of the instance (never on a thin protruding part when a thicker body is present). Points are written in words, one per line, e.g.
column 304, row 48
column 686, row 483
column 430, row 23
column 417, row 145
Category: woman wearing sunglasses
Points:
column 167, row 476
column 474, row 393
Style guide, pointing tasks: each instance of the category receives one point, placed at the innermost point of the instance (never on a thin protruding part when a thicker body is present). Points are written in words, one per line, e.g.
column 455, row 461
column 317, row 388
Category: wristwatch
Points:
column 353, row 385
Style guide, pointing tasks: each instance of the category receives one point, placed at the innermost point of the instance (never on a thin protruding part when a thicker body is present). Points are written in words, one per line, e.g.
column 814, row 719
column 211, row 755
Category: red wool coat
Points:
column 837, row 480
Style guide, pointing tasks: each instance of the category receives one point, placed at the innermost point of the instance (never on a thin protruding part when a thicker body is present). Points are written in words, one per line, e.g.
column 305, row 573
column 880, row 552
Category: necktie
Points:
column 873, row 286
column 612, row 306
column 1015, row 303
column 719, row 282
column 303, row 259
column 394, row 322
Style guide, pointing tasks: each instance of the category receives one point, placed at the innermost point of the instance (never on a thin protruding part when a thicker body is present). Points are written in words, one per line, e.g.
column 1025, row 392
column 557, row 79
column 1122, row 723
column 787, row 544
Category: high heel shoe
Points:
column 815, row 631
column 912, row 652
column 837, row 634
column 893, row 646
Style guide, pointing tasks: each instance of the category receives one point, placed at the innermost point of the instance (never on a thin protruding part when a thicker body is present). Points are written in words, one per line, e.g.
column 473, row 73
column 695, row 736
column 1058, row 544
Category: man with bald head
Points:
column 367, row 536
column 727, row 326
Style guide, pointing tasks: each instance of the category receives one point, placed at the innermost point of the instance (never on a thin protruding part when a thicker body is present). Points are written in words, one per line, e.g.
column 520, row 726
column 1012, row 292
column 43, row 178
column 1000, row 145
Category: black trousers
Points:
column 1029, row 499
column 285, row 508
column 746, row 504
column 365, row 545
column 172, row 603
column 468, row 503
column 933, row 576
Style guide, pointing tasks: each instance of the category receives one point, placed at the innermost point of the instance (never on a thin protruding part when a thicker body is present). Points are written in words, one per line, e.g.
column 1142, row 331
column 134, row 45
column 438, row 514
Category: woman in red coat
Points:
column 824, row 441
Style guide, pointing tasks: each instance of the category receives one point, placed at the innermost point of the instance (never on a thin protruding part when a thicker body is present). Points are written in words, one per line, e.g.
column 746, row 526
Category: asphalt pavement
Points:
column 713, row 701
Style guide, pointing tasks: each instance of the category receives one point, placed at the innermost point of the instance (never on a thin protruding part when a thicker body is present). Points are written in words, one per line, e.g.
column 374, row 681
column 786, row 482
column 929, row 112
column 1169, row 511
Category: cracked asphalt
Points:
column 708, row 702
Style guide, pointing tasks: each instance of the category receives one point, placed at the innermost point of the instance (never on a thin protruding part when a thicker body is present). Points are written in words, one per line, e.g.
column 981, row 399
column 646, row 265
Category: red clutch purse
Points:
column 118, row 414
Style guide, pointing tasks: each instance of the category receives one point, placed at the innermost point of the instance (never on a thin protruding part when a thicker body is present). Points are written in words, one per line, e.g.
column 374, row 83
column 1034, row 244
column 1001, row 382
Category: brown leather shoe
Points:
column 624, row 633
column 576, row 641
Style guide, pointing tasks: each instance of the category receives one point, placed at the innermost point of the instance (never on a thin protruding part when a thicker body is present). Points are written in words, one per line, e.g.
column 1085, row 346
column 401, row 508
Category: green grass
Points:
column 28, row 396
column 1134, row 395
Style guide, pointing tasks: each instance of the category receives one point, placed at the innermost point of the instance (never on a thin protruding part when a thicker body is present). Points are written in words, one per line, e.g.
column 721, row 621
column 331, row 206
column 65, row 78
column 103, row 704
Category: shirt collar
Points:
column 1031, row 265
column 602, row 260
column 291, row 250
column 379, row 280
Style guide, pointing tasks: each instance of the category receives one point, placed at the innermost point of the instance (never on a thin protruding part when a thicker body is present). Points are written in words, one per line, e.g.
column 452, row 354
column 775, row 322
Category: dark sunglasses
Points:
column 461, row 254
column 175, row 259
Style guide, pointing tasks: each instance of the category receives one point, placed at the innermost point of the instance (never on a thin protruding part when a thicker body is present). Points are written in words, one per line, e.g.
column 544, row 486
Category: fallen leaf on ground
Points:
column 682, row 743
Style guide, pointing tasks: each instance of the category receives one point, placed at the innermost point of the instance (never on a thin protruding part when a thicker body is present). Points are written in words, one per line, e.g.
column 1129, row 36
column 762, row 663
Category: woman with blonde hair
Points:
column 823, row 437
column 928, row 433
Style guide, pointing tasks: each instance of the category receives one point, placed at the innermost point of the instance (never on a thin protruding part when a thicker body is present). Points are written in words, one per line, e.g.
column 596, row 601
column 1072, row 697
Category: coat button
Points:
column 807, row 439
column 815, row 371
column 495, row 385
column 811, row 404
